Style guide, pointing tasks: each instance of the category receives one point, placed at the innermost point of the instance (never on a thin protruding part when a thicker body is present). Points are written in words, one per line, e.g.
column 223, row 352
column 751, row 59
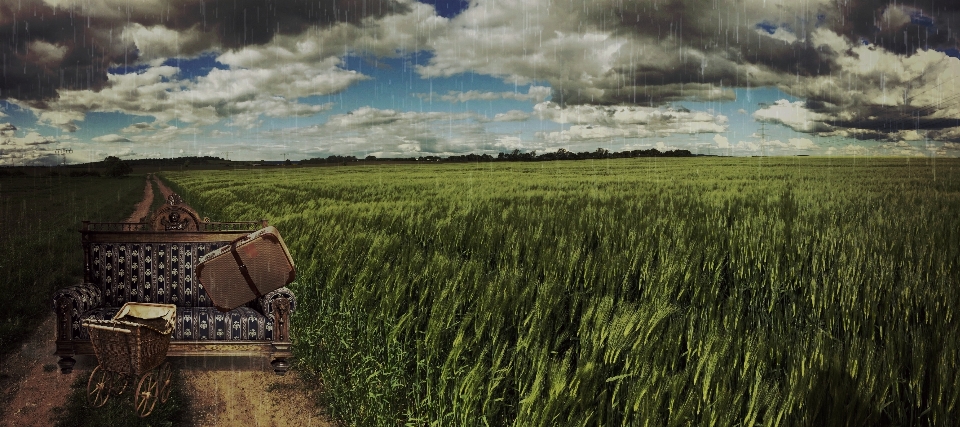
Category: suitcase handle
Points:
column 243, row 267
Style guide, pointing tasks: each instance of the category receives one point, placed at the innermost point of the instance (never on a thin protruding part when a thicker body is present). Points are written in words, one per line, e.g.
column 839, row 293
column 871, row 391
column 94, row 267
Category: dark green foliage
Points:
column 40, row 246
column 728, row 292
column 115, row 167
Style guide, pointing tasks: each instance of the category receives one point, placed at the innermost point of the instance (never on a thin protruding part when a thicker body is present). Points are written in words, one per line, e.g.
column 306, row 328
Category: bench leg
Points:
column 280, row 365
column 280, row 353
column 66, row 364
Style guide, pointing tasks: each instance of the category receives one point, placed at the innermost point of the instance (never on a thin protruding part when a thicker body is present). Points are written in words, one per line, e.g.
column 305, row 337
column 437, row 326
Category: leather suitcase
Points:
column 246, row 269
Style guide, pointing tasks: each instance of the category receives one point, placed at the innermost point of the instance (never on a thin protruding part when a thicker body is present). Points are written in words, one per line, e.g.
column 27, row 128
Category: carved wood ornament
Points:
column 174, row 216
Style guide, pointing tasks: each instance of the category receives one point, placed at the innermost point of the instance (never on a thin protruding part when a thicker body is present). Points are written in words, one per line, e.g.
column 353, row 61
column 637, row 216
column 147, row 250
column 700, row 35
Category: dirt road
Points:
column 223, row 391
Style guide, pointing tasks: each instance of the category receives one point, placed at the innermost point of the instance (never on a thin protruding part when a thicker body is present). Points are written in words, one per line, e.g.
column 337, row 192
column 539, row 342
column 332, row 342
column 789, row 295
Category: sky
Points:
column 296, row 79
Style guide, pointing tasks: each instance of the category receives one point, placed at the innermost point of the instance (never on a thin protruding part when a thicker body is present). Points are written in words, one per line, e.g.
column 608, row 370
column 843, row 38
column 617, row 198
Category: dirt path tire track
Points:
column 143, row 208
column 223, row 391
column 166, row 191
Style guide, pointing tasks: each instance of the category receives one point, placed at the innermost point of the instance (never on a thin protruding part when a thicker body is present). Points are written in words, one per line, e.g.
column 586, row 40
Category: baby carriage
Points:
column 129, row 348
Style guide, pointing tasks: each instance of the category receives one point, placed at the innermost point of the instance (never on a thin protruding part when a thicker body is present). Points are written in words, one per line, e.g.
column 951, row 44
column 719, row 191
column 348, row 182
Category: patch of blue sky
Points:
column 919, row 18
column 526, row 129
column 190, row 68
column 768, row 27
column 448, row 8
column 22, row 118
column 747, row 99
column 104, row 123
column 742, row 126
column 128, row 69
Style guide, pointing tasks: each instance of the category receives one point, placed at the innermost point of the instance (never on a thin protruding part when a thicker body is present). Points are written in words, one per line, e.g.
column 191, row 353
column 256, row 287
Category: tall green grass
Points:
column 714, row 292
column 40, row 245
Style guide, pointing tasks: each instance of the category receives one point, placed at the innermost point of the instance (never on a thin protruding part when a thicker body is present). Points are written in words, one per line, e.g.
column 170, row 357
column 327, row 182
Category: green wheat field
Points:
column 641, row 292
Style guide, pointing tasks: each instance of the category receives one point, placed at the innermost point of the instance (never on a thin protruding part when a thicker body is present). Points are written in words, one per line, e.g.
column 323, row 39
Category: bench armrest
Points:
column 278, row 305
column 265, row 303
column 71, row 302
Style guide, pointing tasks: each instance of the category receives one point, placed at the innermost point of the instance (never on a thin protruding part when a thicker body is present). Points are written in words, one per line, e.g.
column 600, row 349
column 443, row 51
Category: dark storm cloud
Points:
column 900, row 26
column 245, row 22
column 724, row 36
column 46, row 48
column 889, row 121
column 77, row 58
column 864, row 67
column 728, row 29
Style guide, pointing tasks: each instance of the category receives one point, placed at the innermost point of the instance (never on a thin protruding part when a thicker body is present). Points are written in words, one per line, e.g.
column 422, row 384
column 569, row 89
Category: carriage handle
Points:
column 107, row 328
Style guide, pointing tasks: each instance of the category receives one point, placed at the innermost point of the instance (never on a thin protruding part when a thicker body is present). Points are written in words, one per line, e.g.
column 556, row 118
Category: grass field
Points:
column 40, row 245
column 712, row 292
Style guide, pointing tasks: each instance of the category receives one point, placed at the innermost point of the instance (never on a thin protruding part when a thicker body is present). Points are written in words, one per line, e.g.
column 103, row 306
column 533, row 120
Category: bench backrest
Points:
column 157, row 272
column 155, row 260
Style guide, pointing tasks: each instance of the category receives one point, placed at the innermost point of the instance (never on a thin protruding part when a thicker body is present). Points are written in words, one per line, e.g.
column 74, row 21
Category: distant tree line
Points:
column 337, row 159
column 513, row 156
column 177, row 161
column 600, row 153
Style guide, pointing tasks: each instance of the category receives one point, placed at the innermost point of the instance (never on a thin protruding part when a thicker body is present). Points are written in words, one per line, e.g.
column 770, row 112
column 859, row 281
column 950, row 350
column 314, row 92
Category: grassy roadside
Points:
column 119, row 410
column 39, row 249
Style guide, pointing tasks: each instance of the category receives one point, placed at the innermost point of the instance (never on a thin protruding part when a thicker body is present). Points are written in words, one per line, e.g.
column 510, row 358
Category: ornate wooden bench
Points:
column 154, row 261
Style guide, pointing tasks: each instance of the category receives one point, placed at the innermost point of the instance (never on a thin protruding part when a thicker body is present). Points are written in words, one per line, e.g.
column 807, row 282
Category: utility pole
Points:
column 63, row 152
column 763, row 138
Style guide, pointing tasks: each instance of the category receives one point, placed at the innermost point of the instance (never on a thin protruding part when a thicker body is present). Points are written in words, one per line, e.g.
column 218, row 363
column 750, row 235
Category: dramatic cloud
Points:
column 241, row 95
column 854, row 63
column 303, row 59
column 794, row 115
column 30, row 149
column 159, row 42
column 54, row 45
column 853, row 69
column 614, row 51
column 34, row 138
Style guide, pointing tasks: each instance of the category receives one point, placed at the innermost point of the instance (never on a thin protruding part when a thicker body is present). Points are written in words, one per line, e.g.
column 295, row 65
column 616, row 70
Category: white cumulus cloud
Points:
column 795, row 115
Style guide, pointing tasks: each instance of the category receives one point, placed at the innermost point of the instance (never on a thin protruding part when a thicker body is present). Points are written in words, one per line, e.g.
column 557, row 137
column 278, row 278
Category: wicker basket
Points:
column 135, row 340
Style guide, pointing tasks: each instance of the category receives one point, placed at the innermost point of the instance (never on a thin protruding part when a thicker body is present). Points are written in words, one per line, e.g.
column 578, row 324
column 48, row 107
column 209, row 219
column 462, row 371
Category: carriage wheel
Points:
column 163, row 383
column 146, row 396
column 98, row 387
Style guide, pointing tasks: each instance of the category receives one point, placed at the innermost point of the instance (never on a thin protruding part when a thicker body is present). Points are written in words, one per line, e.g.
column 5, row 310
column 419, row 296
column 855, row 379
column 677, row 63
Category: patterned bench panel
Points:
column 204, row 323
column 150, row 272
